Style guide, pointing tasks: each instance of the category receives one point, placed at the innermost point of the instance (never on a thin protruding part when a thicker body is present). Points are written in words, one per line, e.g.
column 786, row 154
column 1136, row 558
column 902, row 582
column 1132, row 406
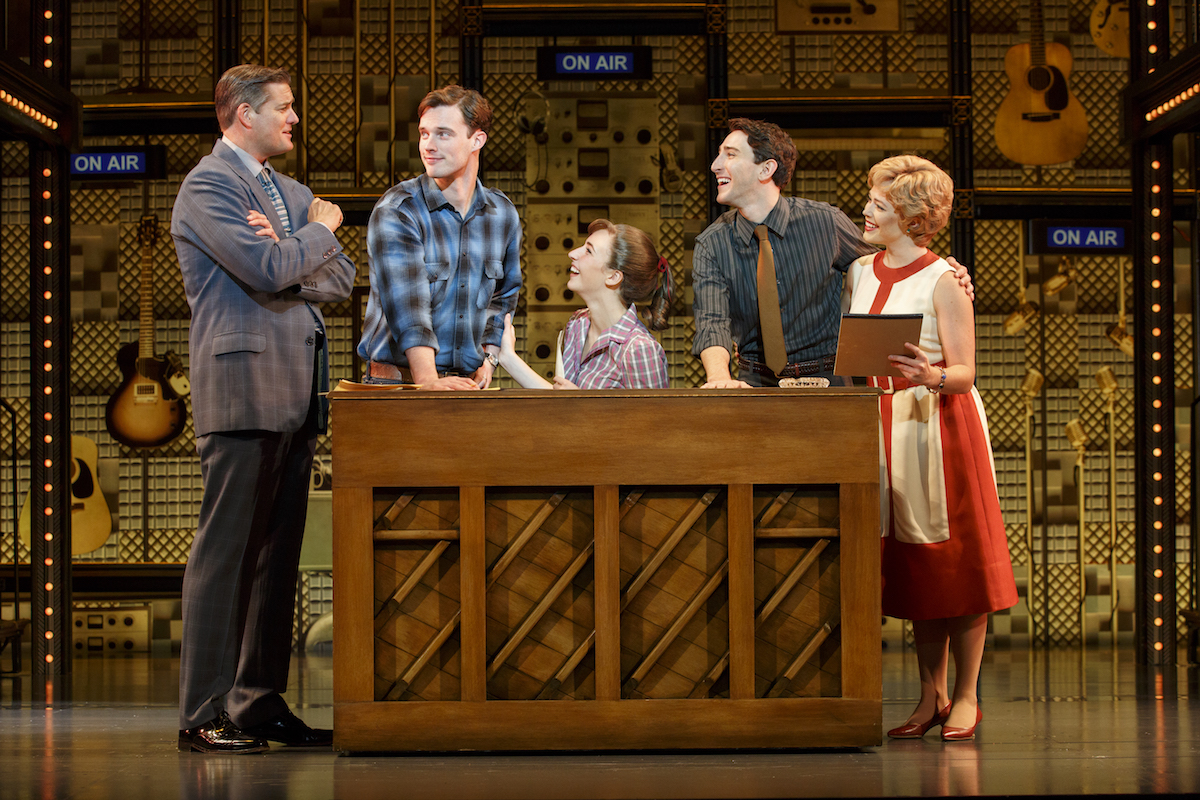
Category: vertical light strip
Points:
column 50, row 499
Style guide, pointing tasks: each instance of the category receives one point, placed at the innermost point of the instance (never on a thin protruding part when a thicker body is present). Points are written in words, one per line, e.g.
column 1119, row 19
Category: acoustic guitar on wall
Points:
column 91, row 520
column 147, row 410
column 1040, row 122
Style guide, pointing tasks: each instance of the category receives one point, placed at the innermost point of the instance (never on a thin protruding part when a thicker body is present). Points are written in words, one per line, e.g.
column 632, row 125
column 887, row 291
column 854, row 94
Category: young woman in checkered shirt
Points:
column 606, row 345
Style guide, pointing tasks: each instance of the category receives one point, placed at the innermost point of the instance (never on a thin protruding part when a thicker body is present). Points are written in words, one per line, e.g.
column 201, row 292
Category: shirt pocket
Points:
column 439, row 280
column 493, row 271
column 238, row 342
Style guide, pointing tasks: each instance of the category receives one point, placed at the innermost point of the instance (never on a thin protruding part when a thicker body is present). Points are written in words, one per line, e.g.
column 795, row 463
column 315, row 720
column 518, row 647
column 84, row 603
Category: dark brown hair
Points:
column 769, row 141
column 476, row 110
column 645, row 273
column 245, row 83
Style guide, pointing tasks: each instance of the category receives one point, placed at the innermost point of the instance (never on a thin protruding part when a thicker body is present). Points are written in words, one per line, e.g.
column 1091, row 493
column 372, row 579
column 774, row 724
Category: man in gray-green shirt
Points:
column 814, row 244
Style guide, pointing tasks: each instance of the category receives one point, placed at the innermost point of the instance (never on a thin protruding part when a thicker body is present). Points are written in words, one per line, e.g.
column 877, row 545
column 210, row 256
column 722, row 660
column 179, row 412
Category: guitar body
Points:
column 1109, row 24
column 144, row 411
column 1040, row 122
column 91, row 521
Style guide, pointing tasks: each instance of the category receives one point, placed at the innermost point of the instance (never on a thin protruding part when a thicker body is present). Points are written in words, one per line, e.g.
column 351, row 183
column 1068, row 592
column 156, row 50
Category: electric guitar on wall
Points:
column 91, row 521
column 148, row 409
column 1039, row 122
column 1110, row 27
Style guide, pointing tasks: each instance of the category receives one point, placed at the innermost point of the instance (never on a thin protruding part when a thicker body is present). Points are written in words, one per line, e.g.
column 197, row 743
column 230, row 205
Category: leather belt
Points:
column 797, row 370
column 394, row 372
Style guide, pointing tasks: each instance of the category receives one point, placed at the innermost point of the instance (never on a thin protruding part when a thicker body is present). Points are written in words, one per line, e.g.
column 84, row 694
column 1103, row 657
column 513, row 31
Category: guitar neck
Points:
column 146, row 304
column 1037, row 33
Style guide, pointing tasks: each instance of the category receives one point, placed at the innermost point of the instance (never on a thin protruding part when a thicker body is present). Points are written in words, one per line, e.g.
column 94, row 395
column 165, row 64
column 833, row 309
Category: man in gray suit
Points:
column 257, row 252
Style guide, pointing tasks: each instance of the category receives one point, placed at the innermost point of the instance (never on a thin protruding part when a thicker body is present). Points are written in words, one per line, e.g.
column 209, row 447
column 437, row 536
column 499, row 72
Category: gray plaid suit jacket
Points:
column 251, row 345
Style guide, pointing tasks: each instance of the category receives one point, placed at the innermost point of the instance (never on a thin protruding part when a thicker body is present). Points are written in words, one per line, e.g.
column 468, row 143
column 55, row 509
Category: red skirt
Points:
column 944, row 550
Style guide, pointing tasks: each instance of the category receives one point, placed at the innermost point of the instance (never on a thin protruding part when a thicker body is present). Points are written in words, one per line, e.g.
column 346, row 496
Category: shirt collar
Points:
column 620, row 332
column 434, row 199
column 776, row 222
column 250, row 162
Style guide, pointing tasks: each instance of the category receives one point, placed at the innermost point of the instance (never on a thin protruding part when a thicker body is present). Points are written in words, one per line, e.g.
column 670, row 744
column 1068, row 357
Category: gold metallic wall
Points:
column 387, row 68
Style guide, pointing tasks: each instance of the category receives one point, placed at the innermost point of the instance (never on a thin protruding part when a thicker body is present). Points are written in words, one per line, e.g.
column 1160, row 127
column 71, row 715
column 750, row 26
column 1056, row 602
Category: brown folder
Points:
column 866, row 340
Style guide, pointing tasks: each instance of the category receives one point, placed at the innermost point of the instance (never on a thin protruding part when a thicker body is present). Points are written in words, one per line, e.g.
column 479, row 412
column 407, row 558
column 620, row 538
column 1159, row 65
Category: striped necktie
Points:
column 264, row 178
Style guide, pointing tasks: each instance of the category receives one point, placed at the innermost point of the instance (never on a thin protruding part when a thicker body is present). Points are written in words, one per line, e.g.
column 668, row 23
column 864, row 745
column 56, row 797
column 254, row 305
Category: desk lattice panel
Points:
column 540, row 599
column 416, row 599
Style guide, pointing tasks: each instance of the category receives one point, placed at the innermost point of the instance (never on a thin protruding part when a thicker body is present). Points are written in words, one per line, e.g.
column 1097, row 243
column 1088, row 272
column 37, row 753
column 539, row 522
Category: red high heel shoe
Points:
column 950, row 734
column 917, row 730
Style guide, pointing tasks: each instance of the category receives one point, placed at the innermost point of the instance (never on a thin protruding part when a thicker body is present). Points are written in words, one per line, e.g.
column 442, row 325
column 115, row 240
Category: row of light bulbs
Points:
column 24, row 108
column 48, row 366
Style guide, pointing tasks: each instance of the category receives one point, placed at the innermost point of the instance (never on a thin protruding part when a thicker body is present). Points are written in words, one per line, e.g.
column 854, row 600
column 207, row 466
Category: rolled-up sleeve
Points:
column 849, row 244
column 710, row 307
column 399, row 275
column 504, row 298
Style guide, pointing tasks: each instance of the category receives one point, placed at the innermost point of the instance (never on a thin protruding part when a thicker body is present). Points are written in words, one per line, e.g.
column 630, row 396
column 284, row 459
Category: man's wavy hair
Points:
column 245, row 83
column 769, row 141
column 476, row 110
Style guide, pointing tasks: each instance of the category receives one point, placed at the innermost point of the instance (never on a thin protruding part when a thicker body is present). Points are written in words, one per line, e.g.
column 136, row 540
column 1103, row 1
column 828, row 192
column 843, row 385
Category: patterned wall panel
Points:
column 999, row 359
column 988, row 90
column 1184, row 366
column 1096, row 285
column 93, row 362
column 1061, row 350
column 331, row 123
column 14, row 270
column 505, row 149
column 690, row 55
column 807, row 63
column 931, row 16
column 754, row 62
column 1006, row 419
column 1183, row 486
column 1100, row 94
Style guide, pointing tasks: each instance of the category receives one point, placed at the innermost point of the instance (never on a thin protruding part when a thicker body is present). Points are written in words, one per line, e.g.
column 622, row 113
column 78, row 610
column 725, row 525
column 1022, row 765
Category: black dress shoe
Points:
column 286, row 728
column 220, row 736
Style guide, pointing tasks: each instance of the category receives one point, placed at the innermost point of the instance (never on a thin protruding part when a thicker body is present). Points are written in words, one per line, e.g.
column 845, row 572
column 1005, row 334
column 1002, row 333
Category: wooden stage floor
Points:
column 1057, row 723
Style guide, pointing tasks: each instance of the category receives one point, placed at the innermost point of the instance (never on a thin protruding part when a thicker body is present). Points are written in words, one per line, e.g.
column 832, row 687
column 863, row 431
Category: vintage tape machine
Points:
column 106, row 631
column 837, row 16
column 588, row 156
column 595, row 145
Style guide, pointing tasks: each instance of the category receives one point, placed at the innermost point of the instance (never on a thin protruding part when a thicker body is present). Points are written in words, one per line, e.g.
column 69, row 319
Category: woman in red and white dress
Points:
column 945, row 555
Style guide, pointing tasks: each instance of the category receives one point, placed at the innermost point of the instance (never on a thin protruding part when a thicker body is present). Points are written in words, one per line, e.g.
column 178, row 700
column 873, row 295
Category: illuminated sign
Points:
column 572, row 63
column 117, row 163
column 1073, row 237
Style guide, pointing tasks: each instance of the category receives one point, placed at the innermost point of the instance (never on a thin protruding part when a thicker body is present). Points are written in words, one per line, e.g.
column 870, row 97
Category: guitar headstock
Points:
column 148, row 230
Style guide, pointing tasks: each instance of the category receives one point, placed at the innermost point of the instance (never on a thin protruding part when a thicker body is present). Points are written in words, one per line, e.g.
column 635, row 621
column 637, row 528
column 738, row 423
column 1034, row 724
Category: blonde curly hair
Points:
column 920, row 191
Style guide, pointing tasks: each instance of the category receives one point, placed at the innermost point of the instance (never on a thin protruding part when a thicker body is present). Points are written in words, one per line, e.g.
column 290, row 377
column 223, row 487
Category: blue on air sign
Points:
column 108, row 164
column 1079, row 236
column 594, row 63
column 1073, row 237
column 566, row 63
column 119, row 163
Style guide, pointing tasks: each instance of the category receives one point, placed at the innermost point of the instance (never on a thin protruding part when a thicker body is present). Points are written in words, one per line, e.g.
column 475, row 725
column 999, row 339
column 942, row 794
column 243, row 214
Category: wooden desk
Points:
column 522, row 570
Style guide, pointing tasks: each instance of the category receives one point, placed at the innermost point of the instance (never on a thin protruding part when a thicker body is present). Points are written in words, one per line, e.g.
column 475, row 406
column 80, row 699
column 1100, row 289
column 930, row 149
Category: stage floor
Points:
column 1057, row 723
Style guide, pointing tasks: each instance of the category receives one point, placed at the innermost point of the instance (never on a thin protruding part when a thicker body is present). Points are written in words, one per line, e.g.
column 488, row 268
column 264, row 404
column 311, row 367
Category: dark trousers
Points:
column 239, row 588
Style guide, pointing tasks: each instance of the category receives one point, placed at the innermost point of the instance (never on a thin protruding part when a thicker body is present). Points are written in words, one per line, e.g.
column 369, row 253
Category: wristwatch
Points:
column 492, row 359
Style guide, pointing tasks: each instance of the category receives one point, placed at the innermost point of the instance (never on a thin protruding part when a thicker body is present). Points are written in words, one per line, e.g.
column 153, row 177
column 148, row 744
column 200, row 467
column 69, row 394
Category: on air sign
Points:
column 573, row 63
column 119, row 163
column 1073, row 237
